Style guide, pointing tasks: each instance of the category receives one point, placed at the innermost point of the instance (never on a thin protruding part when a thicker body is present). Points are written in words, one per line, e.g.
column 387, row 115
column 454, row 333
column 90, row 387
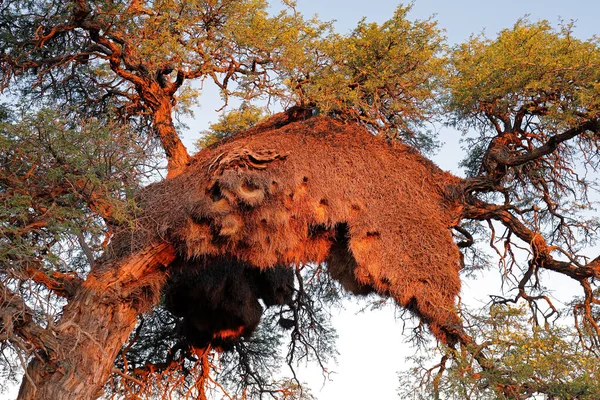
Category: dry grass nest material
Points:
column 286, row 192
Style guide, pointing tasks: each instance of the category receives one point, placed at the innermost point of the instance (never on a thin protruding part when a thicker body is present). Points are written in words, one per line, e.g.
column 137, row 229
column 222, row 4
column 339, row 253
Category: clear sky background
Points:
column 372, row 345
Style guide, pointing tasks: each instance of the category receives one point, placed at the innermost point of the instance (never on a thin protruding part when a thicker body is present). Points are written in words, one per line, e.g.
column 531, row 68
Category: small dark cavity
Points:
column 200, row 219
column 342, row 233
column 249, row 186
column 198, row 215
column 215, row 193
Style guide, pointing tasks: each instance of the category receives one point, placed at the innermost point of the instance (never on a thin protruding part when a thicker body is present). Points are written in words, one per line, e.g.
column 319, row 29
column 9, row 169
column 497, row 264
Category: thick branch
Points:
column 177, row 155
column 499, row 156
column 481, row 211
column 550, row 146
column 95, row 323
column 468, row 242
column 62, row 284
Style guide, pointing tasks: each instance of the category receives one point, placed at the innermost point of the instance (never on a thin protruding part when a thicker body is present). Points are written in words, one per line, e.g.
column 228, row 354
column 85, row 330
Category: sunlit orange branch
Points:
column 548, row 147
column 62, row 284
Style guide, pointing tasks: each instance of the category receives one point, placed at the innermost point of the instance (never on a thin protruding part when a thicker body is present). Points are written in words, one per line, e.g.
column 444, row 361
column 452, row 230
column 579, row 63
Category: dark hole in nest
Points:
column 317, row 230
column 199, row 218
column 214, row 192
column 250, row 186
column 341, row 263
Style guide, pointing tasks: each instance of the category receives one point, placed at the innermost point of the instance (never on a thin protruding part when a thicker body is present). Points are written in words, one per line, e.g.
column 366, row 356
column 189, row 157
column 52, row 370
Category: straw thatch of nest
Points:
column 378, row 214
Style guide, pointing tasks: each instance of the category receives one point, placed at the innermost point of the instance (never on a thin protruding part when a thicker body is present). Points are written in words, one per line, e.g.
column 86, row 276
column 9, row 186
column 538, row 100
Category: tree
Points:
column 119, row 70
column 543, row 360
column 230, row 124
column 532, row 95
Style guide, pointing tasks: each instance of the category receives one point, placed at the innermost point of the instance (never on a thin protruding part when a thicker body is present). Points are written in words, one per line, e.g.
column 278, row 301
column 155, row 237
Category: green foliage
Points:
column 235, row 43
column 533, row 81
column 61, row 182
column 531, row 67
column 535, row 361
column 229, row 124
column 386, row 76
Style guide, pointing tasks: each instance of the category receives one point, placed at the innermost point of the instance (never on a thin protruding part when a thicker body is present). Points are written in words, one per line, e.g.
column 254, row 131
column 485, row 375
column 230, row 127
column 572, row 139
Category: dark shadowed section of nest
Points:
column 317, row 190
column 217, row 298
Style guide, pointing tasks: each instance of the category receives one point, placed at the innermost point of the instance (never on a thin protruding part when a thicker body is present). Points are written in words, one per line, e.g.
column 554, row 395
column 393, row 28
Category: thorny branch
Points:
column 522, row 162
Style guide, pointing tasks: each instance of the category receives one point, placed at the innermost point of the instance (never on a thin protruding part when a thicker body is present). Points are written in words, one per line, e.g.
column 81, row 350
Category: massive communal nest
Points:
column 376, row 213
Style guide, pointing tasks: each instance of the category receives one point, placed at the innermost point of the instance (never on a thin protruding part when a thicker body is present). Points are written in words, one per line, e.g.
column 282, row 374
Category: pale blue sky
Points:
column 372, row 344
column 460, row 18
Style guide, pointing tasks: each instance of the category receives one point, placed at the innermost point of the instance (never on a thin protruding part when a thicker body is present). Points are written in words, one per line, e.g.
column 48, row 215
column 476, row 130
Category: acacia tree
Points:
column 532, row 94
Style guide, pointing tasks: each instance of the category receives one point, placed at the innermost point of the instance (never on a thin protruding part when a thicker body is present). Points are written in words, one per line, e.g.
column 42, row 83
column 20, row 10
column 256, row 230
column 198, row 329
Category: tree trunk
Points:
column 177, row 155
column 95, row 324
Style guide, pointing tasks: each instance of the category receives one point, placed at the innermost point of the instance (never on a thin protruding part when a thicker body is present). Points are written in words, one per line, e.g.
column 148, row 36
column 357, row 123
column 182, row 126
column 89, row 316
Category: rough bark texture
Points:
column 177, row 155
column 95, row 323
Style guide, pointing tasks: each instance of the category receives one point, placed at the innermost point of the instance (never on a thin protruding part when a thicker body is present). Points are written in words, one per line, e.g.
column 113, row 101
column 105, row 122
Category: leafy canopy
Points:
column 531, row 69
column 541, row 360
column 230, row 123
column 132, row 54
column 384, row 75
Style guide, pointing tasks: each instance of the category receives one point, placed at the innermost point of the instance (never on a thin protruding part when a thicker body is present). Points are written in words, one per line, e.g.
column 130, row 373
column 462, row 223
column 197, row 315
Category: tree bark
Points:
column 95, row 324
column 177, row 155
